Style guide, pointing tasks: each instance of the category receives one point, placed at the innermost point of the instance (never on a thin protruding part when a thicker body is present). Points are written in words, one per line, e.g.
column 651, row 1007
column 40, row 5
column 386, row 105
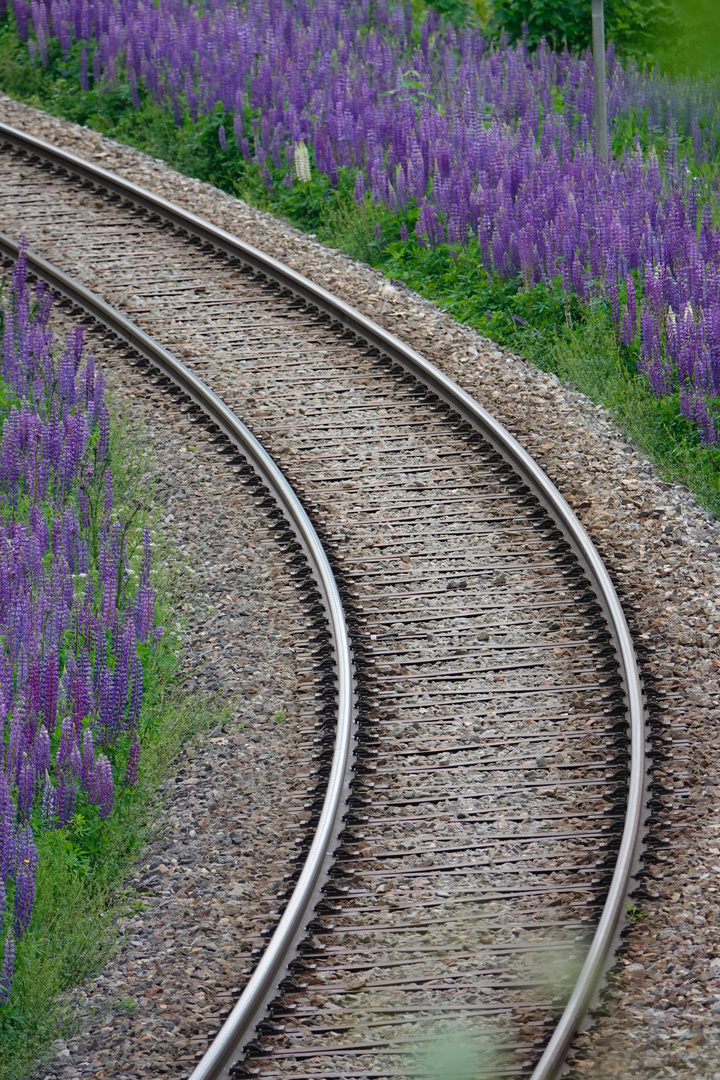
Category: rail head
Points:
column 606, row 935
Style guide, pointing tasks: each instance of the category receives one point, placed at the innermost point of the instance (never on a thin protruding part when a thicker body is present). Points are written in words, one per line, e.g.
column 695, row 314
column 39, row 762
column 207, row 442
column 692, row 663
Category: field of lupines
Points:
column 74, row 616
column 460, row 141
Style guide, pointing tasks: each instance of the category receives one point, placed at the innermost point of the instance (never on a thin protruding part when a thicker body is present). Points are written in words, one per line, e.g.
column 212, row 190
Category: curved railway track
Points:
column 479, row 791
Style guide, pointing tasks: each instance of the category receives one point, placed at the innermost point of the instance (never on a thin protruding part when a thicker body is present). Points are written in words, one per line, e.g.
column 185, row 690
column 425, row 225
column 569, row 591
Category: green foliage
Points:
column 640, row 28
column 693, row 45
column 501, row 309
column 456, row 11
column 637, row 27
column 560, row 22
column 481, row 10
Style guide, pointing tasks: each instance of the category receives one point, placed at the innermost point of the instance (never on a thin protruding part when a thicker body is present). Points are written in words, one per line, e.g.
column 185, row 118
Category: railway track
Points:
column 479, row 771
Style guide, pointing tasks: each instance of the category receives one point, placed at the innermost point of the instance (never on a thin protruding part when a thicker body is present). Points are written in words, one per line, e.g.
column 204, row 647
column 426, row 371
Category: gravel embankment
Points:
column 664, row 1013
column 220, row 849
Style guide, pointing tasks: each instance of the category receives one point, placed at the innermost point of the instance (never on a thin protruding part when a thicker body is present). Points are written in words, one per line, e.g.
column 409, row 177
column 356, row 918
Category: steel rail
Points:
column 262, row 985
column 345, row 317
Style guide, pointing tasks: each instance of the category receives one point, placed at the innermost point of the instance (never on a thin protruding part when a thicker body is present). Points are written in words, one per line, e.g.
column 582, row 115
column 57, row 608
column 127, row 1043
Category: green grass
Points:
column 552, row 330
column 81, row 893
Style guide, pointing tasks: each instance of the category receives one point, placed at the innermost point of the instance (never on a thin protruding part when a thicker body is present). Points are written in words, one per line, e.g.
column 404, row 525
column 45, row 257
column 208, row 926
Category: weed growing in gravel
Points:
column 634, row 914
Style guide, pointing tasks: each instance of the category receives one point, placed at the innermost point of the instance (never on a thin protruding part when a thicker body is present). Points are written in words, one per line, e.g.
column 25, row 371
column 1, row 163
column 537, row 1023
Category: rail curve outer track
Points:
column 486, row 845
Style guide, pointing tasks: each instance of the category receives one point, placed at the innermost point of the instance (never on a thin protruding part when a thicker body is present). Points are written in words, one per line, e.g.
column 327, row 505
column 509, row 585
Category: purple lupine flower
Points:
column 50, row 688
column 24, row 897
column 87, row 775
column 25, row 880
column 75, row 762
column 104, row 786
column 67, row 743
column 41, row 753
column 47, row 615
column 65, row 796
column 629, row 325
column 33, row 688
column 8, row 831
column 145, row 604
column 26, row 787
column 131, row 770
column 8, row 968
column 107, row 497
column 48, row 802
column 80, row 692
column 359, row 193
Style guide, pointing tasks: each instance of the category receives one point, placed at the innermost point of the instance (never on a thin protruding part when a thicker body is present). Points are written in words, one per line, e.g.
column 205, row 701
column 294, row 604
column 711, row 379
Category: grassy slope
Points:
column 80, row 894
column 551, row 330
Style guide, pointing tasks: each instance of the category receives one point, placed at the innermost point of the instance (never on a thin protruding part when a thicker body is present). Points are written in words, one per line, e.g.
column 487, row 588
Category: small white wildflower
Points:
column 302, row 163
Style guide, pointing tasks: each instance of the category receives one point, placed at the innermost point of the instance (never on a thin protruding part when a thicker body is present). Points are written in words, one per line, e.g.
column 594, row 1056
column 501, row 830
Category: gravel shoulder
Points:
column 663, row 1014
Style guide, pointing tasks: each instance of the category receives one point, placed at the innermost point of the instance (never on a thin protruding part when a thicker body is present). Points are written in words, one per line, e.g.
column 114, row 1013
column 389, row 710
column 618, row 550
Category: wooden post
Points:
column 598, row 45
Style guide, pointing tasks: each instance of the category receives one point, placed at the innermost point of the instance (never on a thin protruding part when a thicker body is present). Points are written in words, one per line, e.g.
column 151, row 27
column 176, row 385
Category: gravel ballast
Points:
column 663, row 1015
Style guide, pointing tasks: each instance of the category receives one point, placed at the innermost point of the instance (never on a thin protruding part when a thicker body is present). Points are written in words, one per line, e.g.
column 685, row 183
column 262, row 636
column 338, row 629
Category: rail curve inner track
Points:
column 487, row 841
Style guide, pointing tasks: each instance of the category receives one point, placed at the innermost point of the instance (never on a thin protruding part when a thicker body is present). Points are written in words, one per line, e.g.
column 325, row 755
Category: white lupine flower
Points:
column 302, row 163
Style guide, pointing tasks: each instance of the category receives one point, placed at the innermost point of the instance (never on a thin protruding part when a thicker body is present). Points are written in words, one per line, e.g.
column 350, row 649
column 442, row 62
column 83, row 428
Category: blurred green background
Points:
column 682, row 36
